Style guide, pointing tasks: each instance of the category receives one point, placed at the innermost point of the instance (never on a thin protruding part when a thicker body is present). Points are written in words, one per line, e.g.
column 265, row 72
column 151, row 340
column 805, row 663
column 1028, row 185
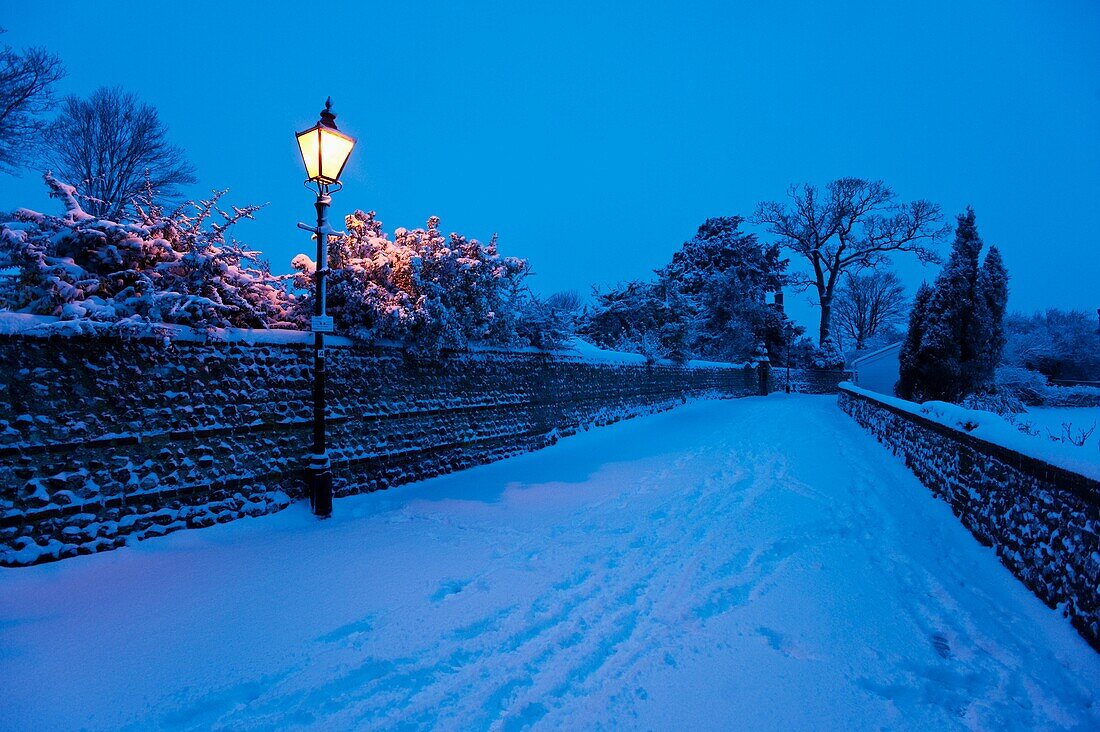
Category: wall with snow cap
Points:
column 106, row 440
column 1039, row 511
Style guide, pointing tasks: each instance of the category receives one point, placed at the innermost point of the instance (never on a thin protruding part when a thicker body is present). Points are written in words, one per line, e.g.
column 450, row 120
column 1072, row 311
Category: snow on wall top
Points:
column 991, row 428
column 27, row 324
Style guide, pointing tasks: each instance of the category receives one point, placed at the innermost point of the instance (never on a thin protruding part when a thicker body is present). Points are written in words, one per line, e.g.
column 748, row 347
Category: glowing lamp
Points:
column 325, row 150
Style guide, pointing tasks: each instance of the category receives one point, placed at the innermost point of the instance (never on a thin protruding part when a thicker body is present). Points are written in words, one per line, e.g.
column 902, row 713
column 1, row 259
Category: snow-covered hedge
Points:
column 176, row 267
column 425, row 290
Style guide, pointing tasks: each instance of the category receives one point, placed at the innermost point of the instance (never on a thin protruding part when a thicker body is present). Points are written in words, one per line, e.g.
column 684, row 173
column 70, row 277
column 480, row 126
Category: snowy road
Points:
column 757, row 563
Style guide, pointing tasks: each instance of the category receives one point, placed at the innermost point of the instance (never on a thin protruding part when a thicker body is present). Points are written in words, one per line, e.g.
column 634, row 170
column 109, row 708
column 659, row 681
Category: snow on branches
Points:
column 422, row 289
column 709, row 302
column 156, row 267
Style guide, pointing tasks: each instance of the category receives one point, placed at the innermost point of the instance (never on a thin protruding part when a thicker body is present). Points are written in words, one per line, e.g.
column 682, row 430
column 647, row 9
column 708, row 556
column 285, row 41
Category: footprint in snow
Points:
column 350, row 630
column 941, row 645
column 448, row 588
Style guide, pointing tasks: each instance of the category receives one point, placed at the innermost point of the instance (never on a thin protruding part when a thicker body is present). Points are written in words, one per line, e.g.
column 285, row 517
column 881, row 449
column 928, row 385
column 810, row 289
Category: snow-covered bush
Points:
column 957, row 416
column 421, row 289
column 1031, row 388
column 708, row 302
column 545, row 323
column 177, row 267
column 1003, row 403
column 828, row 357
column 1060, row 344
column 1071, row 396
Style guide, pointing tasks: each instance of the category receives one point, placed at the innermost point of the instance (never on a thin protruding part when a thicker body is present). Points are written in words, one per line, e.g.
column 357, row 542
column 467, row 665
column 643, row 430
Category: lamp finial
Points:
column 328, row 117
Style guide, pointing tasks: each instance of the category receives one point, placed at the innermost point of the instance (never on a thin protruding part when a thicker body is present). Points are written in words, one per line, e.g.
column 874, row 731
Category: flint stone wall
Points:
column 1042, row 519
column 807, row 381
column 105, row 441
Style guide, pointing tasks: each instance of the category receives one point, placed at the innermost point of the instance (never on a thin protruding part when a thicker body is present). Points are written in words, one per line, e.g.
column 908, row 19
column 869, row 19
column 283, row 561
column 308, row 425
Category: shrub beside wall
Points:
column 1042, row 519
column 104, row 441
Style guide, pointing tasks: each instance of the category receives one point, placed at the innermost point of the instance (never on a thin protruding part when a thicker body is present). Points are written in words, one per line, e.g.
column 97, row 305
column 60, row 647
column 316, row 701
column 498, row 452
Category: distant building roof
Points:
column 877, row 354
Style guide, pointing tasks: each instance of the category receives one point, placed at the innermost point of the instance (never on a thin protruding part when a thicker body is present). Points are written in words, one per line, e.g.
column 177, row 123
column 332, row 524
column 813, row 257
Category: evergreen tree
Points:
column 956, row 330
column 638, row 317
column 948, row 345
column 993, row 299
column 829, row 356
column 718, row 282
column 909, row 374
column 708, row 302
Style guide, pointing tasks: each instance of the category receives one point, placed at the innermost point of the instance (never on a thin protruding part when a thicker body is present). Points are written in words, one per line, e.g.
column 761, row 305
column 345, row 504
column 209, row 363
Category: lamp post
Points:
column 325, row 151
column 788, row 331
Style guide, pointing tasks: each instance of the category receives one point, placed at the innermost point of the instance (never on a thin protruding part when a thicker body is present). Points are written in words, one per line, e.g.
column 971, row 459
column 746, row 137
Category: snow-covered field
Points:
column 757, row 563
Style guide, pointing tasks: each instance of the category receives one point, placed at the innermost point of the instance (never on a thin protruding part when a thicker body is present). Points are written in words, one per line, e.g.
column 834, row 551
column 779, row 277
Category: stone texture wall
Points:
column 1042, row 520
column 105, row 441
column 808, row 381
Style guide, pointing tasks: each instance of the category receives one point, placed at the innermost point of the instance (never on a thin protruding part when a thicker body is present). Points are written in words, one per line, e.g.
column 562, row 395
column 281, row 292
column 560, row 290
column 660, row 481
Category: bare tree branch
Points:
column 26, row 94
column 854, row 225
column 865, row 304
column 115, row 151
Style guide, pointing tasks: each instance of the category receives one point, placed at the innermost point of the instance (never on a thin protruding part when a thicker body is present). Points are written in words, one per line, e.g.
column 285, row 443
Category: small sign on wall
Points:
column 321, row 324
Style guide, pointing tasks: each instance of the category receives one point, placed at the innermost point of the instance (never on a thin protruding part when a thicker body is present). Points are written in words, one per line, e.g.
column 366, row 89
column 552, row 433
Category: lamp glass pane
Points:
column 335, row 149
column 308, row 142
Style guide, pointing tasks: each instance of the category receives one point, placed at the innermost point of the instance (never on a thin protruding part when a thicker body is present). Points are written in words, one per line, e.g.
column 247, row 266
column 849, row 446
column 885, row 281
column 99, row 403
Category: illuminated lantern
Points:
column 325, row 150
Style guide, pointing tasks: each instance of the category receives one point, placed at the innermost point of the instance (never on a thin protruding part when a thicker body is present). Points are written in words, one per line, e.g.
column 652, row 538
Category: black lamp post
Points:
column 325, row 151
column 788, row 331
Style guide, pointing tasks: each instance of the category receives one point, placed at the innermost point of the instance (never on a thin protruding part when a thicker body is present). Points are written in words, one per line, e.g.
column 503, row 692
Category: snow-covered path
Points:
column 756, row 563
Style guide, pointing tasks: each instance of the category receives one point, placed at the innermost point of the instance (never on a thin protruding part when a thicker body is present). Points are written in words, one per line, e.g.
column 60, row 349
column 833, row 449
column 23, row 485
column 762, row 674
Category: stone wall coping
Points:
column 1084, row 486
column 31, row 326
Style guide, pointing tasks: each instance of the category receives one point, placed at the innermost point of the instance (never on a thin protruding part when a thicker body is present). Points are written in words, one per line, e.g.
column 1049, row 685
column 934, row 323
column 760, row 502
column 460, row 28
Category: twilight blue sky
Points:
column 595, row 137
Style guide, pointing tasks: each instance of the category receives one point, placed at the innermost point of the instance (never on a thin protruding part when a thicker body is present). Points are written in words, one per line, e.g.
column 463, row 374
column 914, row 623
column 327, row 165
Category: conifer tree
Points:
column 993, row 301
column 956, row 330
column 909, row 374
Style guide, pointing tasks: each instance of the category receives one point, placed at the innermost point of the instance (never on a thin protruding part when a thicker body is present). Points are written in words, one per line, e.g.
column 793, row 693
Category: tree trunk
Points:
column 826, row 319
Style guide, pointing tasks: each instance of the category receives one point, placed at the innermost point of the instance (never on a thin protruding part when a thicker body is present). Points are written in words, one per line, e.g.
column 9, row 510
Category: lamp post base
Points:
column 319, row 485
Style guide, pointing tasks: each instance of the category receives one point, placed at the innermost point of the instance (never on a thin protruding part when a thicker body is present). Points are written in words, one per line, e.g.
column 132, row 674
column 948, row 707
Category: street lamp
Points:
column 325, row 151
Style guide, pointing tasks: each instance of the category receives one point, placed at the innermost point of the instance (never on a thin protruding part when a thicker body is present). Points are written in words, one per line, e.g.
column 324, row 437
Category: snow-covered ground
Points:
column 1049, row 421
column 756, row 563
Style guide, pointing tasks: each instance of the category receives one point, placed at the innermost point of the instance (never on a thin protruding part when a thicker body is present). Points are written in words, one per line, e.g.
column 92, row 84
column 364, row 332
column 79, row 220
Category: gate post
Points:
column 763, row 369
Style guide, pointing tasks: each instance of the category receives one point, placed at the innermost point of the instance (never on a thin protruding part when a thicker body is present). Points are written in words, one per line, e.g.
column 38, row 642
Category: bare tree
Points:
column 26, row 94
column 852, row 225
column 866, row 304
column 566, row 301
column 112, row 147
